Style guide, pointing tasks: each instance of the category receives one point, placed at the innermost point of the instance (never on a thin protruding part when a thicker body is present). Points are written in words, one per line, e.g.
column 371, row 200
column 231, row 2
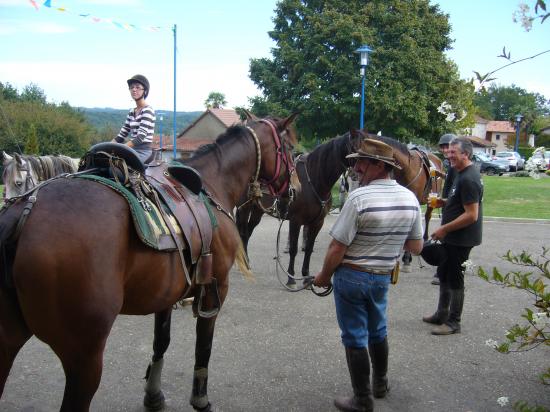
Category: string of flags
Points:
column 95, row 19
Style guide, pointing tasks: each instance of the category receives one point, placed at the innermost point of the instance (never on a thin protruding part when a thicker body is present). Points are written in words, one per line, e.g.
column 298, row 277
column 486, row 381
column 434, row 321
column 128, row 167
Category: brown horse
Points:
column 415, row 176
column 78, row 263
column 317, row 172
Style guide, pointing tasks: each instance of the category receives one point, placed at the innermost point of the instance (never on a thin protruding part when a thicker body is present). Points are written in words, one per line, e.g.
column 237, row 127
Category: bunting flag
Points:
column 95, row 19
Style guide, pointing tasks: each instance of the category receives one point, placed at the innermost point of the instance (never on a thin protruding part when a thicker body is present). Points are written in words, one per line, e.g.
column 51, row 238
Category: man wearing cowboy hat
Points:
column 377, row 221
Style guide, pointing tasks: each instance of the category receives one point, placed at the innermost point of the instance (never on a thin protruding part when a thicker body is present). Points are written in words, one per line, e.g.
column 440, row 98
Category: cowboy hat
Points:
column 377, row 150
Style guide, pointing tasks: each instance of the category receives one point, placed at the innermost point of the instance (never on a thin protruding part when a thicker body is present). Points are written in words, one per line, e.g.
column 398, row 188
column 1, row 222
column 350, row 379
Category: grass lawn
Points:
column 519, row 197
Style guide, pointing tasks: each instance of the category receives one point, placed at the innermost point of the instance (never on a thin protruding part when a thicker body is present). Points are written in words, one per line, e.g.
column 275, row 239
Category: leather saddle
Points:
column 178, row 187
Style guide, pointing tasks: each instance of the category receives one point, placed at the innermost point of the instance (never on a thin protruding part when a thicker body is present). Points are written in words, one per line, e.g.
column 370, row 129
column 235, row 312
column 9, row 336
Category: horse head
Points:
column 18, row 176
column 277, row 138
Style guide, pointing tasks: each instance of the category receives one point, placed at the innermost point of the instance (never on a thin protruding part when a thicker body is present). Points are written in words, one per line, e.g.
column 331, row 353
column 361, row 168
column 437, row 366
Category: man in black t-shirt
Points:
column 460, row 230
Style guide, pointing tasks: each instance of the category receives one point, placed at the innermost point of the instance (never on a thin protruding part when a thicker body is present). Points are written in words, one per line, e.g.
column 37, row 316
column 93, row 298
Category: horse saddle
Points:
column 172, row 187
column 95, row 159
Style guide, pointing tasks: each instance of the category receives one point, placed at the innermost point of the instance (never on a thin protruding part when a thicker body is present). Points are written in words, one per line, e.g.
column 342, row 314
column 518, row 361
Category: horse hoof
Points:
column 291, row 283
column 406, row 268
column 154, row 402
column 207, row 408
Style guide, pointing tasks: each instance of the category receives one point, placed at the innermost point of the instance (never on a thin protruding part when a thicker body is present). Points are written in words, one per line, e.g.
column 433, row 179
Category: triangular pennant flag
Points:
column 48, row 3
column 34, row 4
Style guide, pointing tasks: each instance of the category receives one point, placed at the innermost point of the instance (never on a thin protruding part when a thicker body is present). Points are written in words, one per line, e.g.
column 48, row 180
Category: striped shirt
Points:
column 375, row 222
column 138, row 127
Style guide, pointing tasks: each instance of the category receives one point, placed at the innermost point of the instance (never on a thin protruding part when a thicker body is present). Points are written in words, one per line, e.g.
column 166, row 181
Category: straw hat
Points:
column 377, row 150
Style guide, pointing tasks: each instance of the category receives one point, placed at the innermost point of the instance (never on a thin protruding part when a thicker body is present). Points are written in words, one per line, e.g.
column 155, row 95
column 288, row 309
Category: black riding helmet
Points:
column 446, row 138
column 433, row 253
column 141, row 79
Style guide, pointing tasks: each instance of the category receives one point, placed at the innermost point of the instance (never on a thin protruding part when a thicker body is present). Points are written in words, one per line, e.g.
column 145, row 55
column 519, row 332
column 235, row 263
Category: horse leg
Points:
column 312, row 231
column 255, row 217
column 14, row 333
column 203, row 349
column 241, row 219
column 154, row 398
column 293, row 234
column 82, row 360
column 427, row 218
column 304, row 238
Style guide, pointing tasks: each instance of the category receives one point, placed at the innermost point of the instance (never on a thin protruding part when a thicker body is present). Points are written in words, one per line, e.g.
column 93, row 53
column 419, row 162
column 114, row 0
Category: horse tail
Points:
column 242, row 262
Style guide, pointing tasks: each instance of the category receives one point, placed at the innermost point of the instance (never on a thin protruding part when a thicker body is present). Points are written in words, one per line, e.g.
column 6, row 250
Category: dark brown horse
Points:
column 78, row 263
column 415, row 175
column 317, row 173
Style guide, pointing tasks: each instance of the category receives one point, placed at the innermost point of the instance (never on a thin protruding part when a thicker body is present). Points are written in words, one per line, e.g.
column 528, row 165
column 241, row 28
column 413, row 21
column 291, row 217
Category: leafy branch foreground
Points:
column 533, row 277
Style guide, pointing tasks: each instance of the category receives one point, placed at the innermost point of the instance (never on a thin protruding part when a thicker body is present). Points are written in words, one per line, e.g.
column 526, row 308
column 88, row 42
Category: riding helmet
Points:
column 433, row 253
column 446, row 138
column 141, row 79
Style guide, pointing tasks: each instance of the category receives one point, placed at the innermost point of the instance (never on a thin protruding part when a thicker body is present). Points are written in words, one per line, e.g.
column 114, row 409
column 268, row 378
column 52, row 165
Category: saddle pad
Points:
column 149, row 226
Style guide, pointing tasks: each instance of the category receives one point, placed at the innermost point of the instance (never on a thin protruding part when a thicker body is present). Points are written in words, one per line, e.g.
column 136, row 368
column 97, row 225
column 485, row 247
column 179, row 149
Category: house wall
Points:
column 502, row 142
column 204, row 128
column 479, row 130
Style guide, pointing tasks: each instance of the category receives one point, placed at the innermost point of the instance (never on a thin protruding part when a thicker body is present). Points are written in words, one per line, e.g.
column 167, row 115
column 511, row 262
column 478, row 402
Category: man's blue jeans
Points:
column 361, row 299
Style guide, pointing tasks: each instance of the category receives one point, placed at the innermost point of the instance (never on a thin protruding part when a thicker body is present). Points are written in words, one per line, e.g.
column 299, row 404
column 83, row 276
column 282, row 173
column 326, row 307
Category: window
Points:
column 497, row 137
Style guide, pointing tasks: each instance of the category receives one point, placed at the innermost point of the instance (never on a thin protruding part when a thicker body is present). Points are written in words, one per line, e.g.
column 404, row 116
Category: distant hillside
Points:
column 112, row 119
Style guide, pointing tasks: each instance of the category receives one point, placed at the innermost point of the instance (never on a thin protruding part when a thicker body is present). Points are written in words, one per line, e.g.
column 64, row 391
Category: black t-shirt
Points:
column 466, row 188
column 451, row 173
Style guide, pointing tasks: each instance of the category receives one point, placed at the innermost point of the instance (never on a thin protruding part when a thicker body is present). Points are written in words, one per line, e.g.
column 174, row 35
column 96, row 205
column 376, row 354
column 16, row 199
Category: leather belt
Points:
column 364, row 269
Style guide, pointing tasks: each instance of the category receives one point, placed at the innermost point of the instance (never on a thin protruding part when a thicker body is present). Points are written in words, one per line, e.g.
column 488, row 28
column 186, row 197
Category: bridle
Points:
column 282, row 158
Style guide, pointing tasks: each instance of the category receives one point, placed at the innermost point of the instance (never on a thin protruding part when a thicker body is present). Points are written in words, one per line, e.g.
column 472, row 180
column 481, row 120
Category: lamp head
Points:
column 364, row 51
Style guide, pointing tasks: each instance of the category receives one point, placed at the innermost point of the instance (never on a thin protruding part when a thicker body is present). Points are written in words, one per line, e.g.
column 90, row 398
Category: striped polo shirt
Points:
column 138, row 127
column 375, row 222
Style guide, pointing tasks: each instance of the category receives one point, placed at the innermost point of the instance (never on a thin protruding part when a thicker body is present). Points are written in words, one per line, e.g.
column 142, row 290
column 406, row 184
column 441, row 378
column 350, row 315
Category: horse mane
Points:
column 47, row 167
column 333, row 147
column 230, row 133
column 391, row 142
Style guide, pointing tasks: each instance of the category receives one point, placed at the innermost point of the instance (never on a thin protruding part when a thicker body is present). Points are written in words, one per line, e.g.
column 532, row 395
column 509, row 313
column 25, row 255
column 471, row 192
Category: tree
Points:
column 33, row 93
column 215, row 100
column 8, row 92
column 314, row 69
column 32, row 147
column 504, row 102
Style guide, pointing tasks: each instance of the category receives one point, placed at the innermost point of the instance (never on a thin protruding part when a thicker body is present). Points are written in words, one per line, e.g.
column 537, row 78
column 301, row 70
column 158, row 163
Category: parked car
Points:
column 487, row 165
column 516, row 162
column 539, row 160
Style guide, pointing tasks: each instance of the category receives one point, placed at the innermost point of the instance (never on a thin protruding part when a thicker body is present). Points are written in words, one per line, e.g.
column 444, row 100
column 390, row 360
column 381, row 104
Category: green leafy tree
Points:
column 315, row 71
column 59, row 129
column 504, row 102
column 215, row 100
column 532, row 277
column 33, row 93
column 32, row 141
column 8, row 92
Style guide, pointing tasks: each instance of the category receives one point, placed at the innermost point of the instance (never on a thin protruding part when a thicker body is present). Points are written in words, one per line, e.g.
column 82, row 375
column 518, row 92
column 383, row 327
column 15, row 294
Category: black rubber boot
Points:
column 452, row 325
column 442, row 313
column 379, row 358
column 359, row 371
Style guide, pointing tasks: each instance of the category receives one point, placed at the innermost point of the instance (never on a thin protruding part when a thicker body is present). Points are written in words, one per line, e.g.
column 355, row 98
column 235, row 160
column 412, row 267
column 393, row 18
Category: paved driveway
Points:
column 280, row 351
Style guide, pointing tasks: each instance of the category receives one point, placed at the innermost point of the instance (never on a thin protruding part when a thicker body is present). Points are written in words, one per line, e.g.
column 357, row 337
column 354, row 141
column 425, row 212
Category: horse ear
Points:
column 286, row 122
column 6, row 156
column 18, row 158
column 249, row 116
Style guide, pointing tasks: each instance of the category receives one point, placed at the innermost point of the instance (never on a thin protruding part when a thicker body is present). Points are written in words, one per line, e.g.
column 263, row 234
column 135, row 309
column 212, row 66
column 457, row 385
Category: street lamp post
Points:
column 519, row 118
column 363, row 51
column 161, row 118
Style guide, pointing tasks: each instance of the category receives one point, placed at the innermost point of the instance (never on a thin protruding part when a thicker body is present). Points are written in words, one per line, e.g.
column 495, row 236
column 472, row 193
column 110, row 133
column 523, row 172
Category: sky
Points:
column 84, row 54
